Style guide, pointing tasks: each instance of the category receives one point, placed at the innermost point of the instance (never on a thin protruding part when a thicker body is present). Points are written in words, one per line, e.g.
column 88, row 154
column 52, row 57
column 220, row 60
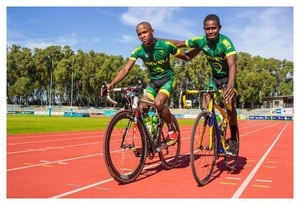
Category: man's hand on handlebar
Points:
column 104, row 90
column 109, row 87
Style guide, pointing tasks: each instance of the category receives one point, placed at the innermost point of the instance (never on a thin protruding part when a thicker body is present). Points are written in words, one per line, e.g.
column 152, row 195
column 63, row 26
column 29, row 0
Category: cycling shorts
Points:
column 217, row 83
column 165, row 85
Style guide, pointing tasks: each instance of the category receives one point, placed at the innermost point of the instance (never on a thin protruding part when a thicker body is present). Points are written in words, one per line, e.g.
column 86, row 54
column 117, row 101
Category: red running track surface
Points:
column 71, row 165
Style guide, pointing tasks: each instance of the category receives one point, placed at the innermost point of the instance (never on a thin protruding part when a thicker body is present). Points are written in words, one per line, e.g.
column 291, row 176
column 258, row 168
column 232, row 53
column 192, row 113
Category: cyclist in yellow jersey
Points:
column 156, row 56
column 221, row 55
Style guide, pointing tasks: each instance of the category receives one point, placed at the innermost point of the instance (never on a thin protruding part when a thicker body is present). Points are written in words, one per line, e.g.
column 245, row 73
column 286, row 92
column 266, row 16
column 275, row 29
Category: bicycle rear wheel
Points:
column 169, row 155
column 231, row 161
column 203, row 150
column 124, row 147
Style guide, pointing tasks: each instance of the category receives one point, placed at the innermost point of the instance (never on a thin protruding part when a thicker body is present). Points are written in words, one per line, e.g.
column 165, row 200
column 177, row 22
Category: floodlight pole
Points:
column 72, row 83
column 51, row 83
column 50, row 89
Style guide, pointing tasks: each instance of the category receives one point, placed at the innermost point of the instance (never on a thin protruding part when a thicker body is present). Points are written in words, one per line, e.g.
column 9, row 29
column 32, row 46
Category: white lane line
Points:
column 53, row 162
column 50, row 148
column 54, row 140
column 95, row 184
column 263, row 180
column 82, row 188
column 271, row 167
column 111, row 179
column 233, row 178
column 52, row 134
column 258, row 129
column 243, row 186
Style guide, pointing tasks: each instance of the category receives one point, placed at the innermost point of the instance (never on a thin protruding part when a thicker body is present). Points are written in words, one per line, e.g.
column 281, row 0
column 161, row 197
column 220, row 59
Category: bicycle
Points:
column 128, row 141
column 207, row 145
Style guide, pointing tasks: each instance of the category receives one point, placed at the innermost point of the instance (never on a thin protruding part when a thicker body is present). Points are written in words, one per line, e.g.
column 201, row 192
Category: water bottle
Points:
column 148, row 123
column 218, row 118
column 154, row 124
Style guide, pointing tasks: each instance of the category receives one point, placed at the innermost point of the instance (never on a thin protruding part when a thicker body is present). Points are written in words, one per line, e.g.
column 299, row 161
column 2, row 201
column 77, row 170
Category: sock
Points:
column 233, row 129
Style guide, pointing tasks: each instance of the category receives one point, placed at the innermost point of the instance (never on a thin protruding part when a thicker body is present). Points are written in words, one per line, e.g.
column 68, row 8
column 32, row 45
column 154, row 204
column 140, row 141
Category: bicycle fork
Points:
column 213, row 130
column 223, row 127
column 218, row 134
column 130, row 145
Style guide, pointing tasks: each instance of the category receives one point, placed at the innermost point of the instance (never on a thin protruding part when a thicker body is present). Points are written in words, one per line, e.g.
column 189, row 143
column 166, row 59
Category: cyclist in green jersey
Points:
column 221, row 56
column 156, row 56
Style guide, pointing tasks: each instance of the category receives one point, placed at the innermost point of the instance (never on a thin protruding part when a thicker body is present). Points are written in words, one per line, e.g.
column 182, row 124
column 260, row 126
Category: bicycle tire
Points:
column 231, row 161
column 202, row 158
column 123, row 164
column 169, row 155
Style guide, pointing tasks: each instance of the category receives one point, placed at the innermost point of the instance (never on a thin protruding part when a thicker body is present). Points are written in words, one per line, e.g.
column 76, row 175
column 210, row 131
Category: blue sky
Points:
column 264, row 31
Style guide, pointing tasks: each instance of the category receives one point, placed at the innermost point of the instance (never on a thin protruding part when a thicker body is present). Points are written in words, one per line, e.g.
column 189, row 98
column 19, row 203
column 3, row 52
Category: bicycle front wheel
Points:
column 203, row 149
column 124, row 147
column 170, row 154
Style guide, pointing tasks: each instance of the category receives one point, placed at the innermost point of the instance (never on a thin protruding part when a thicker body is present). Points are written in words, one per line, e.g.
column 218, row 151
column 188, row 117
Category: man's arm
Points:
column 183, row 56
column 121, row 75
column 177, row 43
column 231, row 60
column 190, row 55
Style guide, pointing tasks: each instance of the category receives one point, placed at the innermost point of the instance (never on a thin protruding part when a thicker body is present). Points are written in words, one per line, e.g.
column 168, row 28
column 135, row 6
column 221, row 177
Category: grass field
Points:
column 25, row 124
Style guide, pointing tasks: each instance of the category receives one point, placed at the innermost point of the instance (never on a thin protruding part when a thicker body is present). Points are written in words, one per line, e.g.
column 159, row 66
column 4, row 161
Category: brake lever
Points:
column 103, row 91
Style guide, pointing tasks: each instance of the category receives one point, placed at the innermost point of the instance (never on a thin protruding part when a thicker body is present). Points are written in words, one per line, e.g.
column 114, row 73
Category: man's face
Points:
column 212, row 29
column 145, row 34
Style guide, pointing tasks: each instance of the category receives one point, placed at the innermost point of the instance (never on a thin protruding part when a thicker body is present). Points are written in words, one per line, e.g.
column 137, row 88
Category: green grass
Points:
column 21, row 124
column 25, row 124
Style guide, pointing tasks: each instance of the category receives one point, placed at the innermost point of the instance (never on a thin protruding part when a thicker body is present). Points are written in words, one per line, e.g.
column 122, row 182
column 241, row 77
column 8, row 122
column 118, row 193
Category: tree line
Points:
column 60, row 76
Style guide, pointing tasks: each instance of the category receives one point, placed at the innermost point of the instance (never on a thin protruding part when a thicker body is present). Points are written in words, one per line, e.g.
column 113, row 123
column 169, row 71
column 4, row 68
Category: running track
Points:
column 71, row 165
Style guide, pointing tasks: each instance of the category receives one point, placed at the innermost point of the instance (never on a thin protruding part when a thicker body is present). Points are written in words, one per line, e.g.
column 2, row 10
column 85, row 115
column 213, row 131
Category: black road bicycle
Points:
column 128, row 141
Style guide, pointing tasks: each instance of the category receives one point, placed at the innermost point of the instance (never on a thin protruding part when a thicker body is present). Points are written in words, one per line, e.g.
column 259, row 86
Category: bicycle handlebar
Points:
column 210, row 91
column 131, row 88
column 106, row 94
column 111, row 100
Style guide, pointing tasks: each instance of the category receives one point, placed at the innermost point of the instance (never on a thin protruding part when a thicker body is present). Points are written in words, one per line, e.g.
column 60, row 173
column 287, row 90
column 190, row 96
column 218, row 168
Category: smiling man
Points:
column 221, row 56
column 156, row 56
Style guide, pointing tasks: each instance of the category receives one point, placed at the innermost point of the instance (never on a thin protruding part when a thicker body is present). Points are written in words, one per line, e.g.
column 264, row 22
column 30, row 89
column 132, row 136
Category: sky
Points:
column 263, row 31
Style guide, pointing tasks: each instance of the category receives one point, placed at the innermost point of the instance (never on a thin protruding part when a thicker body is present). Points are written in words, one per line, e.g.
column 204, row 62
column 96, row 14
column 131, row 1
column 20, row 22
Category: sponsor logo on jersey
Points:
column 226, row 43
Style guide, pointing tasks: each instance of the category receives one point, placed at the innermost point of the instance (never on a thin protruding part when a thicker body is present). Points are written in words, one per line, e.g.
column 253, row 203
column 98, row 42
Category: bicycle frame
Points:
column 211, row 109
column 137, row 141
column 213, row 121
column 133, row 100
column 208, row 139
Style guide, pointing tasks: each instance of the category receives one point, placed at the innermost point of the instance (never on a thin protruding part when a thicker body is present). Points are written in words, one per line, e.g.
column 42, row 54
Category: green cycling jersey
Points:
column 156, row 58
column 216, row 52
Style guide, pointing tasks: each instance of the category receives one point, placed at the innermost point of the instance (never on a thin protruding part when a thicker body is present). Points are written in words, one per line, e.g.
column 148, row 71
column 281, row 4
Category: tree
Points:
column 33, row 74
column 20, row 67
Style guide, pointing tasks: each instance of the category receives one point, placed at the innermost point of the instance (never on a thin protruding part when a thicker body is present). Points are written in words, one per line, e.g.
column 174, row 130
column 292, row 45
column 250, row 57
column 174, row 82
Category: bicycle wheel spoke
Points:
column 121, row 148
column 202, row 150
column 170, row 154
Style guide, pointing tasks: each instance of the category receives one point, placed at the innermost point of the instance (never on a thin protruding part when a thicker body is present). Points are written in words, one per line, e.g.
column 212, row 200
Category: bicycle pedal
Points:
column 230, row 154
column 201, row 147
column 171, row 142
column 137, row 151
column 158, row 149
